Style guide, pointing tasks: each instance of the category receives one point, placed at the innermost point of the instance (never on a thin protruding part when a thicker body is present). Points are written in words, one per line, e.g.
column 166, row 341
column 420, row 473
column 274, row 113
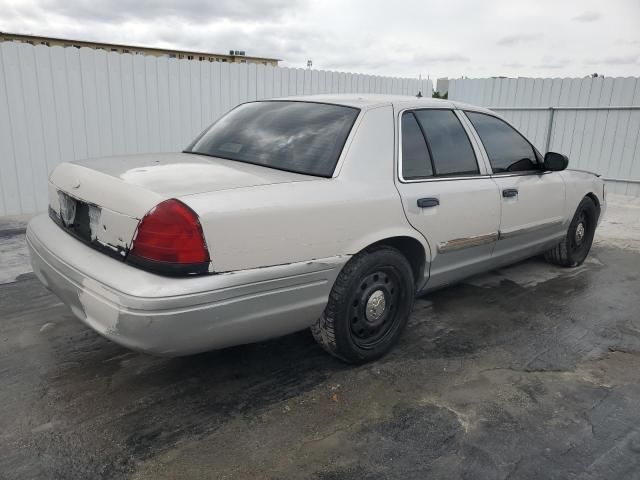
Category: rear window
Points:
column 449, row 145
column 416, row 162
column 301, row 137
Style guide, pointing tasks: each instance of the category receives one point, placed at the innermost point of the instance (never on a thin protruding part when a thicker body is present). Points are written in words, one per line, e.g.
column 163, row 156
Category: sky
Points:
column 407, row 38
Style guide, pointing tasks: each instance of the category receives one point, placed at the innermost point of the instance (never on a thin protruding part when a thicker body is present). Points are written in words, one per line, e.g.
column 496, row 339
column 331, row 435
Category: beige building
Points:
column 234, row 56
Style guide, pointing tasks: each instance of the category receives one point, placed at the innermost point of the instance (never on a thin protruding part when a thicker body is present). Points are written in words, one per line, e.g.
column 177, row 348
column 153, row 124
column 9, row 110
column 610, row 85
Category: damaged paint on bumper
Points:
column 178, row 316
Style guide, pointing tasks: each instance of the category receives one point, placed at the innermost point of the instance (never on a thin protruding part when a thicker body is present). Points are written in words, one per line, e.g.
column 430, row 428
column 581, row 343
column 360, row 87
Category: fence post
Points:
column 552, row 112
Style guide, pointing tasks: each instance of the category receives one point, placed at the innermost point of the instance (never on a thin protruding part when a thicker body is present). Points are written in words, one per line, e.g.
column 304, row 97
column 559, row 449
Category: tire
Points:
column 575, row 247
column 357, row 326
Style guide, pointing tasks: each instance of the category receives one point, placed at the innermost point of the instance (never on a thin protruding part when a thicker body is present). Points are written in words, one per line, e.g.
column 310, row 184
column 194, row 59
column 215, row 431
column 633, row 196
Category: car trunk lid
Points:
column 109, row 196
column 177, row 174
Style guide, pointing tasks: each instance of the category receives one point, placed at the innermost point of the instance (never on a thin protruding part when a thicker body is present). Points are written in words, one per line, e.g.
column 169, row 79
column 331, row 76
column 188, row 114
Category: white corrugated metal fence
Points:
column 595, row 121
column 59, row 104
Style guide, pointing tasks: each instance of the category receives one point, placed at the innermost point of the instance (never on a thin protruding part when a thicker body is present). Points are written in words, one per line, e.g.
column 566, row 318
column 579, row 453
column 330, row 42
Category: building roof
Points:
column 122, row 45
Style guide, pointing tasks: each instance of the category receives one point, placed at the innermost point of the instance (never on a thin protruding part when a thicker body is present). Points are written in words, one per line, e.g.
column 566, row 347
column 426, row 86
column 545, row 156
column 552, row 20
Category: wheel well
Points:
column 593, row 197
column 412, row 249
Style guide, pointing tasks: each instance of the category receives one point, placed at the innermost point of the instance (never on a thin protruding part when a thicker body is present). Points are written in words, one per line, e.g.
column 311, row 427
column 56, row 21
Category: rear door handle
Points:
column 510, row 192
column 428, row 202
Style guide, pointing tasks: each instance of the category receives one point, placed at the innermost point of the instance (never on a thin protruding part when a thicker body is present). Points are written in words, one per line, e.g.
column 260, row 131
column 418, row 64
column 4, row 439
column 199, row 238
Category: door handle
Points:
column 428, row 202
column 510, row 192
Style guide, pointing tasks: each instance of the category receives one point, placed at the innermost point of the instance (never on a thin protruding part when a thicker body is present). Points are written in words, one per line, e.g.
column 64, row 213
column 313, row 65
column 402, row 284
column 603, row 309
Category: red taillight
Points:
column 170, row 233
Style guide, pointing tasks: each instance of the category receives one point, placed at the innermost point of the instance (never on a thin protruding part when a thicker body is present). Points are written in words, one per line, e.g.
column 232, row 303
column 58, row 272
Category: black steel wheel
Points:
column 368, row 307
column 575, row 247
column 579, row 241
column 374, row 307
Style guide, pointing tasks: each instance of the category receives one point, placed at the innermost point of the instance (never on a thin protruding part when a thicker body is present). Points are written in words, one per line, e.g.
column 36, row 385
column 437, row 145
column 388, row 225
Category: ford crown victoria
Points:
column 328, row 212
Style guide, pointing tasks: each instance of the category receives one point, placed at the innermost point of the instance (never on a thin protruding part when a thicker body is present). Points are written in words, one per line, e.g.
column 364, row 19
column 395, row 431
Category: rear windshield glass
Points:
column 300, row 137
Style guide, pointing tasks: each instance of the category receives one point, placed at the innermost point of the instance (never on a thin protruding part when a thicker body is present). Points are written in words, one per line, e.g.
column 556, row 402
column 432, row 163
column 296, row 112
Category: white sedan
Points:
column 331, row 212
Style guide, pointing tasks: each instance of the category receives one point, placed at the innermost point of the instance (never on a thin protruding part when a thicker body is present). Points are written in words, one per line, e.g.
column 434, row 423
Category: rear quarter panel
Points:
column 292, row 222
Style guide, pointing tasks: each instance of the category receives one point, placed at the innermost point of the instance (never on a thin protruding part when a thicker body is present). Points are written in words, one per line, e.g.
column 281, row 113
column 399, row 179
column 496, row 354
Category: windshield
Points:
column 301, row 137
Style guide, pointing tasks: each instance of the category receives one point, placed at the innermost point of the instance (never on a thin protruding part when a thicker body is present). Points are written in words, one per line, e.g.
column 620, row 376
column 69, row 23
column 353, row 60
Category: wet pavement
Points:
column 529, row 372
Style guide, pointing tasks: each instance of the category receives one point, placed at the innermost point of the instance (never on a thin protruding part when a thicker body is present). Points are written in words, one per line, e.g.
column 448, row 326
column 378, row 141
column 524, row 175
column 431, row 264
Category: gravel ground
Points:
column 531, row 371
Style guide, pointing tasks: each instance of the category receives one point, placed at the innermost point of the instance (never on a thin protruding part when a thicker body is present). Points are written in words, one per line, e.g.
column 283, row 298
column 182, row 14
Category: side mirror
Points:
column 555, row 161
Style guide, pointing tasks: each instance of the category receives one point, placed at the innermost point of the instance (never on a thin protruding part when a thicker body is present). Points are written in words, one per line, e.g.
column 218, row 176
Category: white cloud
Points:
column 588, row 17
column 511, row 40
column 633, row 59
column 402, row 38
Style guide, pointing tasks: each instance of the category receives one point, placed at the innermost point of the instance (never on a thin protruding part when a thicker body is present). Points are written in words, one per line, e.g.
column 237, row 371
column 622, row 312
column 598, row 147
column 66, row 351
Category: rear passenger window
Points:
column 416, row 162
column 448, row 143
column 508, row 151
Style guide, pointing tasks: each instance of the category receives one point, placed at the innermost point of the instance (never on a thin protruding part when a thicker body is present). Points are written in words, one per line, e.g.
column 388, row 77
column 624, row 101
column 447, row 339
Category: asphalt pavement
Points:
column 528, row 372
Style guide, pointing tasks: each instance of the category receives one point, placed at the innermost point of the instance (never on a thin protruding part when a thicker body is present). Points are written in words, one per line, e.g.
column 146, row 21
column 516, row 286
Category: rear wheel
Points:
column 575, row 247
column 368, row 307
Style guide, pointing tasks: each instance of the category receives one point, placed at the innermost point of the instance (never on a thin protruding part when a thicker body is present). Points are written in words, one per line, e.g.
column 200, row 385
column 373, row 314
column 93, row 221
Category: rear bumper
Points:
column 178, row 316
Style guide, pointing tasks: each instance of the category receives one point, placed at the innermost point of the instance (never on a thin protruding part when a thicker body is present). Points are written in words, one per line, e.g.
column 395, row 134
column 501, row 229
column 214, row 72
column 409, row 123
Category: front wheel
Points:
column 368, row 307
column 575, row 247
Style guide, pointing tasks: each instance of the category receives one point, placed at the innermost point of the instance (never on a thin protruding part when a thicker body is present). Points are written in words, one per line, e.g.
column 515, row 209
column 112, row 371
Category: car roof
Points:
column 366, row 101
